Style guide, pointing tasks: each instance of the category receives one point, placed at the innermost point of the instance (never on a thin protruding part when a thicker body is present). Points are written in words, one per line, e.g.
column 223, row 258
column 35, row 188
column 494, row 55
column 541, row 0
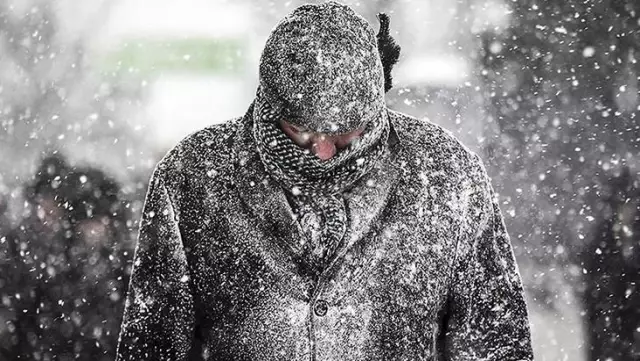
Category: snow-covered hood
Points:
column 321, row 67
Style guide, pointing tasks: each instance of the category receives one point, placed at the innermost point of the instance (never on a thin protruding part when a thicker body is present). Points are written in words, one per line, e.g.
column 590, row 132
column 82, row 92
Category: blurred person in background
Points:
column 5, row 314
column 4, row 218
column 25, row 250
column 612, row 265
column 66, row 273
column 323, row 225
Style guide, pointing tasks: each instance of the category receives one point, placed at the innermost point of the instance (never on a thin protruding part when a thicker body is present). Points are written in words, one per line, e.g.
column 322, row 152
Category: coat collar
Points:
column 267, row 200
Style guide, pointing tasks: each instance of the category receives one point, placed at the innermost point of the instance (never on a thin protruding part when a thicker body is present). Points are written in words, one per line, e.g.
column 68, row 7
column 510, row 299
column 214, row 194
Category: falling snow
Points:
column 498, row 220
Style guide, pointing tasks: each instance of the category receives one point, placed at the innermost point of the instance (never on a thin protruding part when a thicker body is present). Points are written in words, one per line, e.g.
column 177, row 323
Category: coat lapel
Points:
column 265, row 198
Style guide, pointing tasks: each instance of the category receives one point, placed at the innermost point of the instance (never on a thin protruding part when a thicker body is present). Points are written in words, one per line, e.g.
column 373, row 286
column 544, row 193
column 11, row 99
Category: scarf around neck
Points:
column 314, row 187
column 302, row 173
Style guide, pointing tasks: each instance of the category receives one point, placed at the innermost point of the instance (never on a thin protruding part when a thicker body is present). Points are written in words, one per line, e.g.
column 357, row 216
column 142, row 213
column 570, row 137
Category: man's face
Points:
column 324, row 146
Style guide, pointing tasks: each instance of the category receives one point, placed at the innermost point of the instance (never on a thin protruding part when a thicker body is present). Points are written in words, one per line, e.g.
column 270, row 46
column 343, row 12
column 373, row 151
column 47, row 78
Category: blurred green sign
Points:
column 198, row 55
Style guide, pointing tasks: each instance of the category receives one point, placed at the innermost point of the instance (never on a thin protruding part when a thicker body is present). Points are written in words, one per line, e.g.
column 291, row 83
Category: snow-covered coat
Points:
column 426, row 270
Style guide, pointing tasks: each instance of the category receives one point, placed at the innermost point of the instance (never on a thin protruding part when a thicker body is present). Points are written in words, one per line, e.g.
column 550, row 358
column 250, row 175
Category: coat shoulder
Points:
column 438, row 166
column 431, row 147
column 208, row 152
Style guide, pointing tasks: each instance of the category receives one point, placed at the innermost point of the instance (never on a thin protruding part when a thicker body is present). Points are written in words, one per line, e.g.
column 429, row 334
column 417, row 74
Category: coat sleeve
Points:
column 158, row 317
column 487, row 315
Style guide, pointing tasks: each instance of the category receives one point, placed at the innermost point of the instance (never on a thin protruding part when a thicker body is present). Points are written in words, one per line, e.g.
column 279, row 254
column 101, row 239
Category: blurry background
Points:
column 546, row 91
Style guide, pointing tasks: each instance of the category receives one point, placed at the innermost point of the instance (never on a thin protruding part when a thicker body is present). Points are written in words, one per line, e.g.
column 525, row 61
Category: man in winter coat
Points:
column 322, row 225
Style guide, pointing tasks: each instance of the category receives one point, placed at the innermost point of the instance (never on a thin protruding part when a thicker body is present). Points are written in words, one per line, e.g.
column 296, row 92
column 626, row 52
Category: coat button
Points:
column 320, row 308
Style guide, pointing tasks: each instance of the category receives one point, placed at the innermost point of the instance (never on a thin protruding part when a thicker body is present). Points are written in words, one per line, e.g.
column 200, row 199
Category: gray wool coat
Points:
column 426, row 270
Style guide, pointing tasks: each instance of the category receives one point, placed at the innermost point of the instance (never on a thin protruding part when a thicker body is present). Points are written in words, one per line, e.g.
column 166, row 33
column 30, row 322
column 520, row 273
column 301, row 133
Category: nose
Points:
column 323, row 147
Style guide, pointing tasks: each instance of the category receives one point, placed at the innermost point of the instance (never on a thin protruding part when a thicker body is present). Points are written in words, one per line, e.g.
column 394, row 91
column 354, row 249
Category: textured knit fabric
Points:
column 301, row 172
column 323, row 221
column 316, row 186
column 426, row 271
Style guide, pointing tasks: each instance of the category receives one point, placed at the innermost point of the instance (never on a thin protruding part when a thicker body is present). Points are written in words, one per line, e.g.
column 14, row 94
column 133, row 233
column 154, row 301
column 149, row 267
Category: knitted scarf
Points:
column 314, row 187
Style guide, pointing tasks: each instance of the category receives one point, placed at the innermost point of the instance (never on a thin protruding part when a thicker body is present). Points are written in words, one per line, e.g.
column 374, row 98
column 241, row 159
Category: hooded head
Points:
column 48, row 180
column 321, row 70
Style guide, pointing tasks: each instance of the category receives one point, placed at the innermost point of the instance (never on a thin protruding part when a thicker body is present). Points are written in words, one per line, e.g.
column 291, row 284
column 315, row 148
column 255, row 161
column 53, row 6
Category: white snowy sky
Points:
column 180, row 102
